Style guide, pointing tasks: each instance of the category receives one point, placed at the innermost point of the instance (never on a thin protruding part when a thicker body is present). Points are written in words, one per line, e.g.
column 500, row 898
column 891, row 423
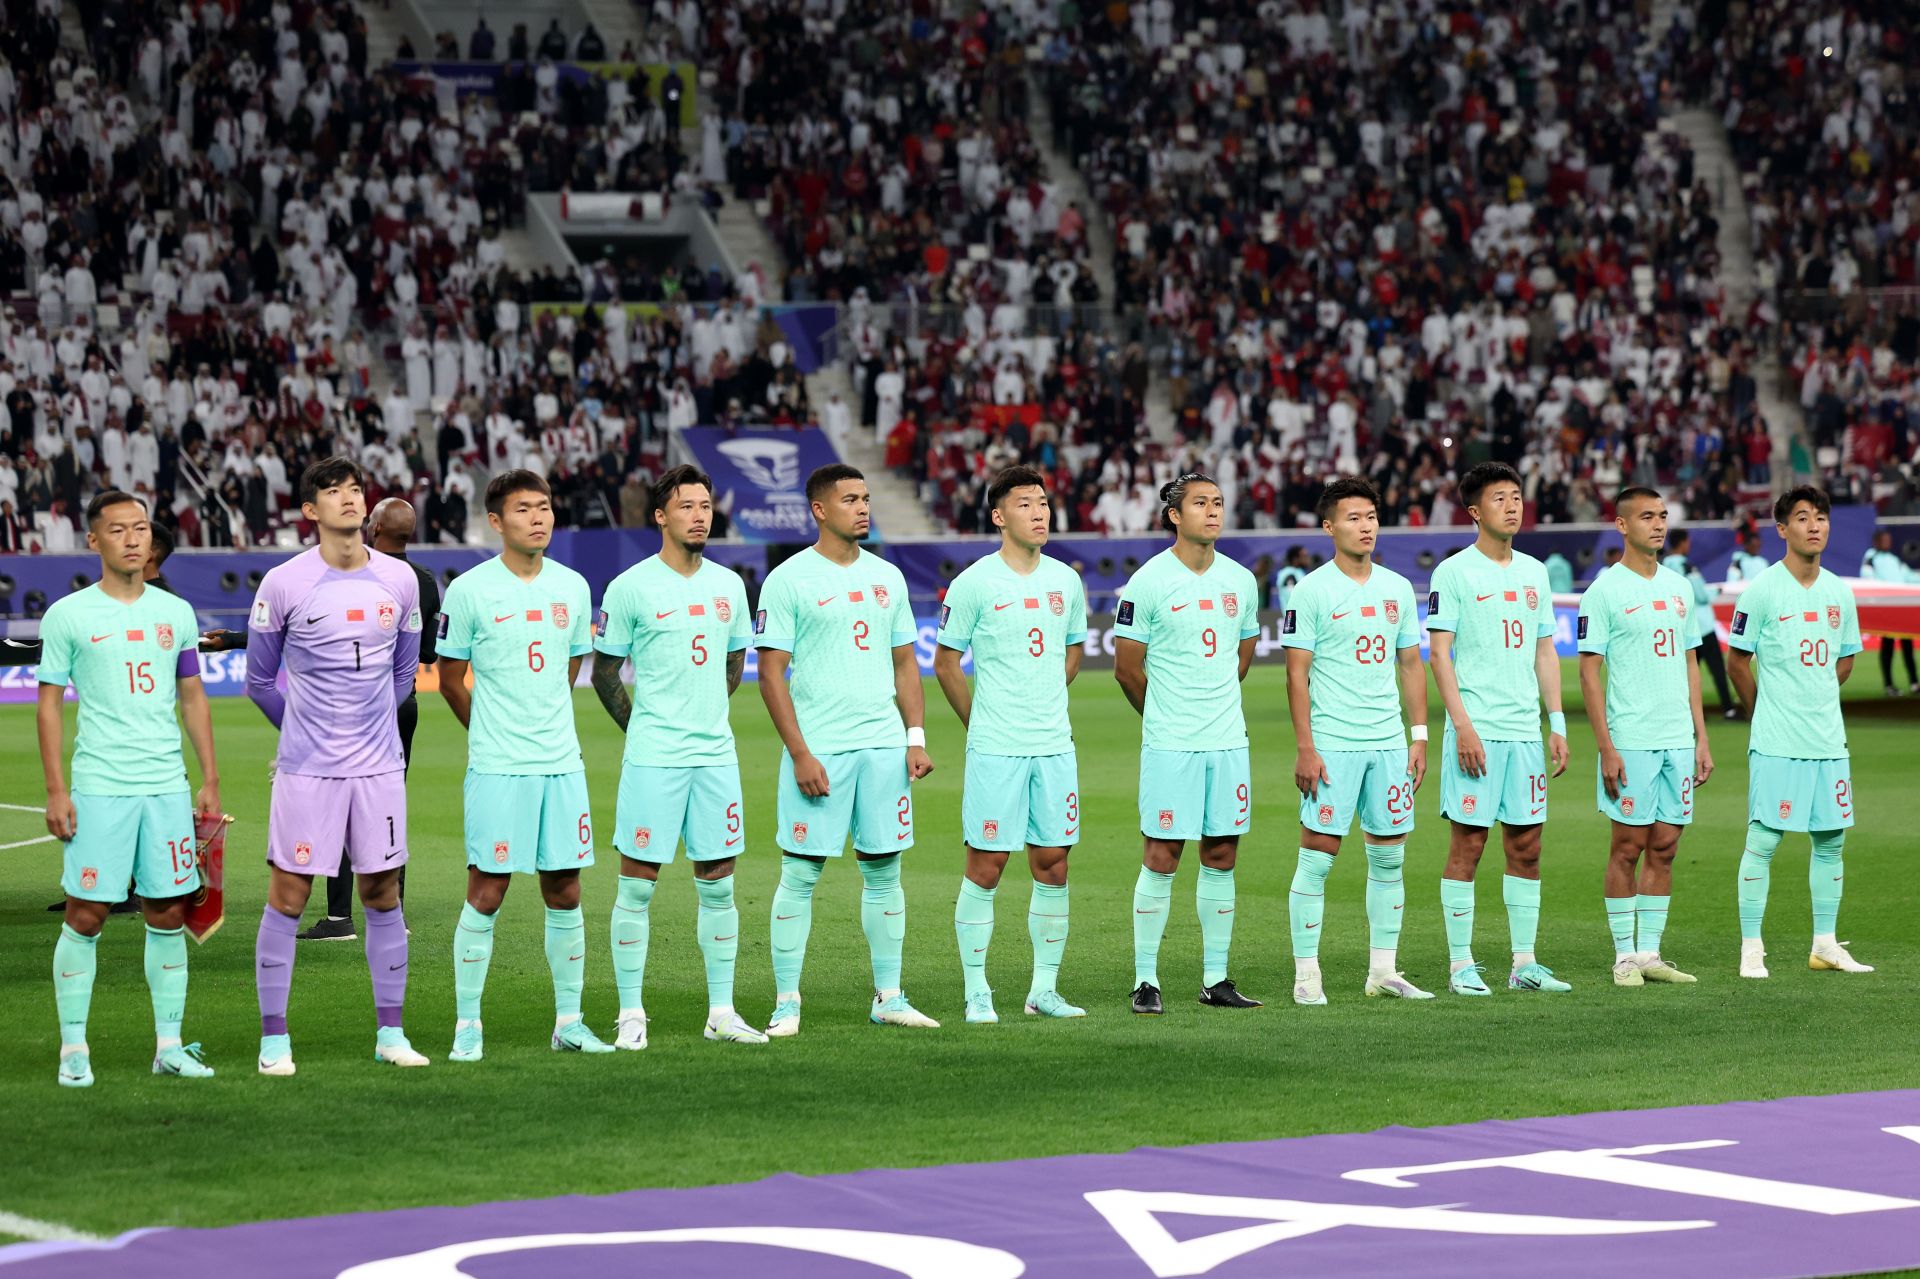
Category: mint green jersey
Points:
column 1796, row 635
column 124, row 661
column 519, row 636
column 1019, row 628
column 1644, row 627
column 1498, row 614
column 1192, row 624
column 678, row 632
column 841, row 625
column 1355, row 631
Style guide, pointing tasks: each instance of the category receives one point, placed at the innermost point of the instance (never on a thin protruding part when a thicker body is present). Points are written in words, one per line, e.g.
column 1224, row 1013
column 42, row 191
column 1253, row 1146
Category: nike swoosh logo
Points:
column 390, row 856
column 1458, row 913
column 893, row 912
column 1241, row 822
column 733, row 841
column 1337, row 616
column 1399, row 820
column 1750, row 879
column 1009, row 604
column 571, row 959
column 902, row 835
column 183, row 879
column 1400, row 907
column 1637, row 607
column 583, row 856
column 1481, row 599
column 475, row 961
column 1072, row 829
column 1787, row 618
column 1536, row 812
column 171, row 967
column 312, row 620
column 1138, row 911
column 67, row 974
column 502, row 619
column 823, row 603
column 1175, row 608
column 271, row 963
column 786, row 916
column 97, row 638
column 979, row 950
column 728, row 937
column 1312, row 926
column 1055, row 941
column 633, row 942
column 1227, row 911
column 394, row 968
column 669, row 613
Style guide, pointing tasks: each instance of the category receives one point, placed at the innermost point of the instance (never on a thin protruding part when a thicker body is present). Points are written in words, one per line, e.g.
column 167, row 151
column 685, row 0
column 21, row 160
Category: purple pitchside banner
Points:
column 1802, row 1186
column 760, row 477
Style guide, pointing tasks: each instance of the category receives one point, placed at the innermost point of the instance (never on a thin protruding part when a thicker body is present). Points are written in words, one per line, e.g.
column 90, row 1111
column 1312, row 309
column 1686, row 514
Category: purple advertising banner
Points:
column 1800, row 1186
column 760, row 477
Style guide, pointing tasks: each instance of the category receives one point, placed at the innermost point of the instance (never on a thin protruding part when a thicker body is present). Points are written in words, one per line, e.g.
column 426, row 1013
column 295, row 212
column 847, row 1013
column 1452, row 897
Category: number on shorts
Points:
column 1212, row 642
column 140, row 678
column 699, row 651
column 586, row 828
column 1843, row 796
column 1369, row 649
column 1240, row 793
column 1073, row 806
column 1037, row 642
column 1537, row 789
column 1399, row 799
column 536, row 660
column 1686, row 796
column 906, row 810
column 390, row 839
column 1813, row 652
column 860, row 634
column 181, row 851
column 733, row 818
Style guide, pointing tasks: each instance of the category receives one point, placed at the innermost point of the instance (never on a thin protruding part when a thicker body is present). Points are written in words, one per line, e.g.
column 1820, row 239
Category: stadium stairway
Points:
column 897, row 509
column 384, row 29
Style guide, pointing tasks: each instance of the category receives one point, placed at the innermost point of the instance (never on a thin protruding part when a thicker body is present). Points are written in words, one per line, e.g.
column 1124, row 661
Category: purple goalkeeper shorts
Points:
column 312, row 820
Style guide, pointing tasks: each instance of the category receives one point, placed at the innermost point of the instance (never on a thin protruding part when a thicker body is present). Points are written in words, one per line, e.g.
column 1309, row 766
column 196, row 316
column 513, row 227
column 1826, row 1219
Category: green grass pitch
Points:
column 848, row 1095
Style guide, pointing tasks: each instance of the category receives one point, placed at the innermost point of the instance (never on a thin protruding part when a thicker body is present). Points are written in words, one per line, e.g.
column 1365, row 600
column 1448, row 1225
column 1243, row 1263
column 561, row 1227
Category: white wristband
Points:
column 1419, row 732
column 917, row 737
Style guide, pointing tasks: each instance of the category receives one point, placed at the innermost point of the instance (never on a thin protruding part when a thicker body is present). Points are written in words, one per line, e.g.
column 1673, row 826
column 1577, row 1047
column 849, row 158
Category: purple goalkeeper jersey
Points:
column 350, row 643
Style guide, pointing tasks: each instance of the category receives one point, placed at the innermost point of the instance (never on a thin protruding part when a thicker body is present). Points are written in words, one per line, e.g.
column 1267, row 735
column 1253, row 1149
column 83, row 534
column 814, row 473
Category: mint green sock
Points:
column 632, row 927
column 719, row 924
column 566, row 959
column 1386, row 895
column 1456, row 911
column 973, row 927
column 1826, row 873
column 883, row 917
column 1307, row 902
column 792, row 921
column 74, row 963
column 167, row 980
column 1756, row 876
column 472, row 954
column 1522, row 897
column 1621, row 913
column 1213, row 898
column 1152, row 899
column 1047, row 929
column 1650, row 913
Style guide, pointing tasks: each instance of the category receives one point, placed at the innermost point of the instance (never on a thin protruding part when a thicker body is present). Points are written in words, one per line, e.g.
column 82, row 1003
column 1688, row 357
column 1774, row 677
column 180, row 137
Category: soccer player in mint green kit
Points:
column 1352, row 634
column 1184, row 633
column 523, row 624
column 1799, row 623
column 683, row 622
column 1640, row 620
column 852, row 722
column 1494, row 604
column 1024, row 615
column 128, row 651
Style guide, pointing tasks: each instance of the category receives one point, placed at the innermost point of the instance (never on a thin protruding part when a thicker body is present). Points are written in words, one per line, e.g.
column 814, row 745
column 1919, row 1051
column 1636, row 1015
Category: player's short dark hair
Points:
column 1809, row 493
column 162, row 543
column 327, row 473
column 820, row 483
column 674, row 479
column 1634, row 492
column 507, row 483
column 1340, row 490
column 1013, row 477
column 1479, row 477
column 111, row 497
column 1174, row 492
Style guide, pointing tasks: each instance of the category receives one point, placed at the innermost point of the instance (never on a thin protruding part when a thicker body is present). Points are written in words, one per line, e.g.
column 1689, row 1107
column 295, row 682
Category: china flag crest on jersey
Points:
column 165, row 632
column 500, row 852
column 389, row 613
column 1626, row 806
column 1166, row 819
column 1393, row 612
column 1680, row 607
column 799, row 832
column 560, row 615
column 1326, row 814
column 302, row 854
column 89, row 877
column 1230, row 603
column 880, row 596
column 1533, row 599
column 1467, row 804
column 1786, row 809
column 723, row 608
column 990, row 829
column 642, row 836
column 1833, row 616
column 1057, row 603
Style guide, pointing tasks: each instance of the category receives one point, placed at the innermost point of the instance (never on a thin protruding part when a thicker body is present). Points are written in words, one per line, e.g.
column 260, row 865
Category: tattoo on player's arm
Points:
column 736, row 668
column 613, row 693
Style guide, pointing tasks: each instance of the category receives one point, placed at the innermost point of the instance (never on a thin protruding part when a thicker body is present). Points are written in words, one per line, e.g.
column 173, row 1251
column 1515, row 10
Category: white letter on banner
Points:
column 1619, row 1168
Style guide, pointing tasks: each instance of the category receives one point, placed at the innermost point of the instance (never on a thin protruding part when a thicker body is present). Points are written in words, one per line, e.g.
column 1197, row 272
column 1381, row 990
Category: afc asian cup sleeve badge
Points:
column 560, row 615
column 1326, row 814
column 1533, row 599
column 990, row 829
column 723, row 608
column 880, row 595
column 1230, row 602
column 1786, row 809
column 642, row 836
column 1680, row 607
column 89, row 878
column 799, row 832
column 1626, row 806
column 165, row 632
column 262, row 614
column 302, row 854
column 1833, row 616
column 1166, row 819
column 1467, row 804
column 500, row 852
column 389, row 614
column 1057, row 603
column 1393, row 612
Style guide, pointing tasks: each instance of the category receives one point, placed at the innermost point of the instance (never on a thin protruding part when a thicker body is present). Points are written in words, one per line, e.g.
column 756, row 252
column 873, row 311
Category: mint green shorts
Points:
column 1513, row 790
column 1371, row 785
column 1658, row 788
column 528, row 822
column 1799, row 794
column 867, row 797
column 145, row 840
column 1188, row 794
column 660, row 806
column 1011, row 801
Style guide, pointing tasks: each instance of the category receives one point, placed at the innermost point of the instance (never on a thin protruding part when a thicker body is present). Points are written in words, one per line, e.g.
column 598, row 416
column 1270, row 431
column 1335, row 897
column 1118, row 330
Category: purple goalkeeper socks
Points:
column 387, row 959
column 273, row 968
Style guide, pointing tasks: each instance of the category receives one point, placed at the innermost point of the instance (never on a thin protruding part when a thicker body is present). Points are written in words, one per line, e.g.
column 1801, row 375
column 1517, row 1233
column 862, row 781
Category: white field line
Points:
column 25, row 808
column 25, row 843
column 43, row 1231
